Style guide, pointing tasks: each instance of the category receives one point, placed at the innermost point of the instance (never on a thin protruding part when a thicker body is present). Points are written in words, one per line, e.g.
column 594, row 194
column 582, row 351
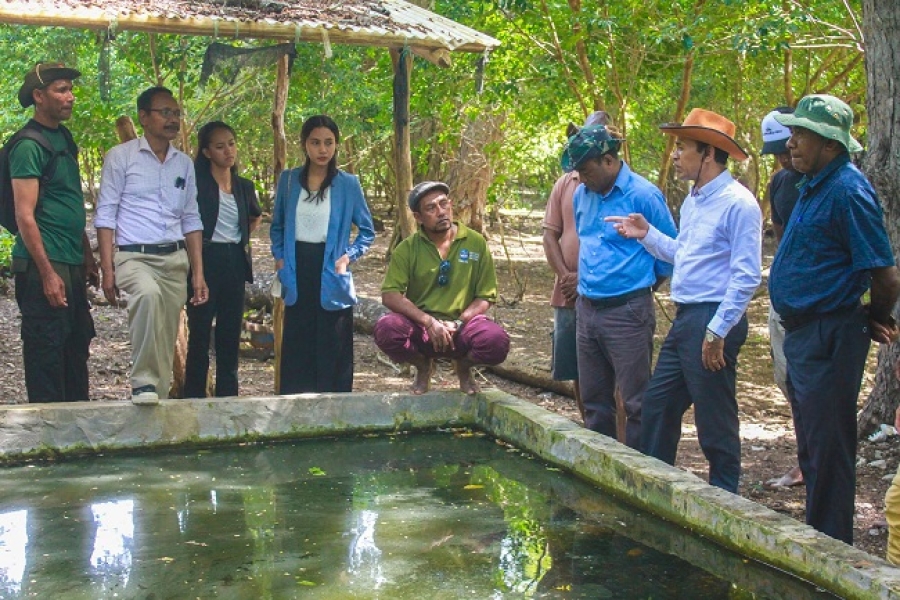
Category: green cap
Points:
column 826, row 115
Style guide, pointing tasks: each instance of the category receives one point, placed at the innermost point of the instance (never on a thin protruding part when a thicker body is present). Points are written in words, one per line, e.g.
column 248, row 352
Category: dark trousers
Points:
column 826, row 360
column 55, row 341
column 615, row 349
column 680, row 380
column 316, row 344
column 223, row 267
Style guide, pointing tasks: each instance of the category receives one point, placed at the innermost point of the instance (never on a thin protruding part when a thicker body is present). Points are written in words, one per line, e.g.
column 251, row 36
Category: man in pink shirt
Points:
column 561, row 248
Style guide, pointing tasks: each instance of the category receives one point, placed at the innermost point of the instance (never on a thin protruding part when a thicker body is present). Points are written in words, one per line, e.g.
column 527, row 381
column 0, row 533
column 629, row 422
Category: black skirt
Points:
column 316, row 344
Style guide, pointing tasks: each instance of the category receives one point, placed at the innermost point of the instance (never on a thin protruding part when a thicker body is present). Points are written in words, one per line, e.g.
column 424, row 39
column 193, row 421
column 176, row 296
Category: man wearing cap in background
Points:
column 783, row 193
column 439, row 285
column 615, row 314
column 561, row 249
column 834, row 249
column 52, row 257
column 717, row 258
column 148, row 203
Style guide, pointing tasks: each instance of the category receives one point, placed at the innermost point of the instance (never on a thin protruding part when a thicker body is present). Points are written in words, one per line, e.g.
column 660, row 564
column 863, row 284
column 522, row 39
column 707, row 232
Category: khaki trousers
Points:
column 892, row 516
column 156, row 285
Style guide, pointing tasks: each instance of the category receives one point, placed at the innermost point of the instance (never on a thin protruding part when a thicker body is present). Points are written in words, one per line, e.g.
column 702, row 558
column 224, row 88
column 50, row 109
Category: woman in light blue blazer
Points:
column 315, row 206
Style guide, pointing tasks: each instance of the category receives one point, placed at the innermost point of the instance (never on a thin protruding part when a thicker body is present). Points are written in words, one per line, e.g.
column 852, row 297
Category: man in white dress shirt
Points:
column 148, row 203
column 717, row 258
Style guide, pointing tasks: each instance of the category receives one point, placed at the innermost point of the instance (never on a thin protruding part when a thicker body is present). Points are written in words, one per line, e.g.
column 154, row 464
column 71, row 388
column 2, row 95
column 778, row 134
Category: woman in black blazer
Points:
column 230, row 212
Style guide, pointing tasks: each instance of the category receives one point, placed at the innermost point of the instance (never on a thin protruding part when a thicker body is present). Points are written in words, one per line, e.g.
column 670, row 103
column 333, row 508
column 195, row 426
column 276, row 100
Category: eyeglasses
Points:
column 444, row 273
column 167, row 113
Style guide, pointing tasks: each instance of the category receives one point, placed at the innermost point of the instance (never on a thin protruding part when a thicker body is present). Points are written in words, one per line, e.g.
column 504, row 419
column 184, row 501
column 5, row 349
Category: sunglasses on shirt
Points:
column 444, row 273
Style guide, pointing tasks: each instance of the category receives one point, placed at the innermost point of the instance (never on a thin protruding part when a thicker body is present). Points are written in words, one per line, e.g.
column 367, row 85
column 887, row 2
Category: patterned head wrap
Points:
column 591, row 141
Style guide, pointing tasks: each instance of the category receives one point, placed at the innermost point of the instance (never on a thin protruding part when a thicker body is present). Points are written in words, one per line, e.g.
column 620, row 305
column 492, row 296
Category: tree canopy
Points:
column 643, row 62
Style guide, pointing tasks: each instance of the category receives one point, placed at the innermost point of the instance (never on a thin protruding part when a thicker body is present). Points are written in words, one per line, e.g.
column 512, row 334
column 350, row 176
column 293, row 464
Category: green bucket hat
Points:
column 826, row 115
column 590, row 142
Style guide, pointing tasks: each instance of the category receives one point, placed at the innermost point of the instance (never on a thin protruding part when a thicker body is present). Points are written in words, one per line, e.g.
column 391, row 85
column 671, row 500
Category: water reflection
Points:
column 373, row 518
column 364, row 556
column 113, row 542
column 13, row 541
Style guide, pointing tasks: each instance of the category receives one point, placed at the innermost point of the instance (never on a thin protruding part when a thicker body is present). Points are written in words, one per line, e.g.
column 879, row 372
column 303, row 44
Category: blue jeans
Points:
column 680, row 380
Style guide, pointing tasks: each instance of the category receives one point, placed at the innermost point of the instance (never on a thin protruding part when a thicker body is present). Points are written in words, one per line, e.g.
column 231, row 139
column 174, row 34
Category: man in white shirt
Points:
column 717, row 258
column 148, row 202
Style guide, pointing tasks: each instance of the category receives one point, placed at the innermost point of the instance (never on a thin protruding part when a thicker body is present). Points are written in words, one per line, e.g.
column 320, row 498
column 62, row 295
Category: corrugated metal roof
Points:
column 388, row 23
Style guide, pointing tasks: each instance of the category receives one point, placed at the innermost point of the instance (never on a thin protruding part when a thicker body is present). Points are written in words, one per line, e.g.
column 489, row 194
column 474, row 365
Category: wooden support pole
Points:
column 402, row 62
column 279, row 161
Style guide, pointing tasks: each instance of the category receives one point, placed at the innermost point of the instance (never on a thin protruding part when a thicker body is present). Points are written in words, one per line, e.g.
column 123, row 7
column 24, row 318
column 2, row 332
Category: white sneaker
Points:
column 144, row 396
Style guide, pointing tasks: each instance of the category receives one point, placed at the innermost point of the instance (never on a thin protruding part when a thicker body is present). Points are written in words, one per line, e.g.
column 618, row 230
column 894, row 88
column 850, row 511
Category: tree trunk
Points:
column 282, row 83
column 471, row 174
column 683, row 98
column 881, row 23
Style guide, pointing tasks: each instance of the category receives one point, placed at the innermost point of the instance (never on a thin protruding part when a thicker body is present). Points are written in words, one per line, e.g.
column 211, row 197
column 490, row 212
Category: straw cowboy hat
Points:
column 710, row 128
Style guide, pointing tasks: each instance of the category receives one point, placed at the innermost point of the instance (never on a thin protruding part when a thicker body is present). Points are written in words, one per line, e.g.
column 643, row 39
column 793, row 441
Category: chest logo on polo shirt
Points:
column 466, row 255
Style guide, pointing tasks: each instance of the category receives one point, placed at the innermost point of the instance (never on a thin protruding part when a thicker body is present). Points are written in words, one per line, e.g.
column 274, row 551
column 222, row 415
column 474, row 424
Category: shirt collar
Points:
column 710, row 188
column 143, row 144
column 836, row 163
column 623, row 177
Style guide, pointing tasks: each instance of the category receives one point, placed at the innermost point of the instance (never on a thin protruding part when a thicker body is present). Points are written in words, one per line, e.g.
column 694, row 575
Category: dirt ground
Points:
column 525, row 282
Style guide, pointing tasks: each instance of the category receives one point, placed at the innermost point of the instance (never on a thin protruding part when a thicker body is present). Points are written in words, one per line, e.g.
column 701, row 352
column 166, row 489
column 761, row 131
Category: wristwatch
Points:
column 458, row 324
column 711, row 337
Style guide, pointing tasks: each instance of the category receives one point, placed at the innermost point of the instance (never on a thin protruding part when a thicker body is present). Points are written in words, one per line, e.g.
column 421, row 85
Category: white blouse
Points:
column 312, row 218
column 228, row 229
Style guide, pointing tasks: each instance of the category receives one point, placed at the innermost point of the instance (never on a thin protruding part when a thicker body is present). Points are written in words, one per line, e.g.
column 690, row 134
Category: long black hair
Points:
column 309, row 124
column 202, row 164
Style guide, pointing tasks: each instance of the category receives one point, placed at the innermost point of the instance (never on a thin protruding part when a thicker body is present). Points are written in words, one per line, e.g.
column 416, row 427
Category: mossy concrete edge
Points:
column 732, row 521
column 39, row 430
column 49, row 430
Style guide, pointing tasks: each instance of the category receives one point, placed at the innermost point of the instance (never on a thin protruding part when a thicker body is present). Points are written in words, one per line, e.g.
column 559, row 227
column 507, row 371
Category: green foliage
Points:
column 554, row 66
column 7, row 240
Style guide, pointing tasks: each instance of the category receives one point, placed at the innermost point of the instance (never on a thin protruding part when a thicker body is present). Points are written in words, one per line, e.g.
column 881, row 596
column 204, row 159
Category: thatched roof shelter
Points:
column 396, row 25
column 383, row 23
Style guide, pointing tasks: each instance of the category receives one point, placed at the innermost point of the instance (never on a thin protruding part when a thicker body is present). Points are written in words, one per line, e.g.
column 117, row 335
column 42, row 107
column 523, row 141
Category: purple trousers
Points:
column 481, row 340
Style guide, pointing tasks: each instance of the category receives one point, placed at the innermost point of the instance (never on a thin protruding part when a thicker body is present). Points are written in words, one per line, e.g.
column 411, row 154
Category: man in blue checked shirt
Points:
column 615, row 317
column 717, row 257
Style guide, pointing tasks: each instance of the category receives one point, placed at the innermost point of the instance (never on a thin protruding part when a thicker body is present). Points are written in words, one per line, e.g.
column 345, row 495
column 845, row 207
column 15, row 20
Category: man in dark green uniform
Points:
column 52, row 258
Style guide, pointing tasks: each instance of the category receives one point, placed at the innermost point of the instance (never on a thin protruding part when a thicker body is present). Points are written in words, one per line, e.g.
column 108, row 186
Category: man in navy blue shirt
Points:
column 615, row 318
column 835, row 248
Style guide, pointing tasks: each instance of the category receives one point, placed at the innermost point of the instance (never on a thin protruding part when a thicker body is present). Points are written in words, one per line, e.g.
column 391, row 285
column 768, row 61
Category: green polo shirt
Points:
column 60, row 214
column 414, row 273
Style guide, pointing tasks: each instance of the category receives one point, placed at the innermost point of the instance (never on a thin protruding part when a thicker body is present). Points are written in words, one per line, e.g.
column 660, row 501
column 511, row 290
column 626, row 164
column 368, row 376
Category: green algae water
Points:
column 434, row 516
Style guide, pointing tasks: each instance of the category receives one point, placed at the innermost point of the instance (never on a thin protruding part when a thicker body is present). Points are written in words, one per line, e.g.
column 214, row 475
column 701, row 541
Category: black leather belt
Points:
column 614, row 301
column 153, row 248
column 795, row 322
